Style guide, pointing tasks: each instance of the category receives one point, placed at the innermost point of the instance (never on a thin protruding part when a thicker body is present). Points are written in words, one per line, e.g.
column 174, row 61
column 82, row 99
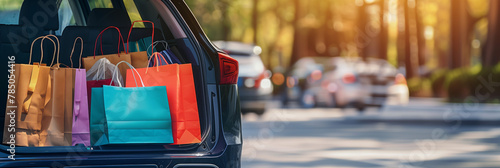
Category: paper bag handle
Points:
column 117, row 70
column 41, row 46
column 132, row 26
column 153, row 45
column 155, row 55
column 73, row 50
column 120, row 39
column 58, row 49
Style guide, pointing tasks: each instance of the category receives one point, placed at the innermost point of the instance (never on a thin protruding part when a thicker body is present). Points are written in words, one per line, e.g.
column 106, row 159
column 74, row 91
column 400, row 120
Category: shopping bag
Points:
column 102, row 69
column 100, row 75
column 80, row 127
column 57, row 116
column 132, row 115
column 179, row 82
column 98, row 123
column 139, row 59
column 88, row 62
column 168, row 56
column 31, row 84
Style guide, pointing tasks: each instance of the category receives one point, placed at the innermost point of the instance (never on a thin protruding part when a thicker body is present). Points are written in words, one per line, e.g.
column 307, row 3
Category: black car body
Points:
column 215, row 75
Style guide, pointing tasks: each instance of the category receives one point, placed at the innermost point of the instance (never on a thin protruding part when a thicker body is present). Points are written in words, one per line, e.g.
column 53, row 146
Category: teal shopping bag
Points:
column 98, row 127
column 131, row 115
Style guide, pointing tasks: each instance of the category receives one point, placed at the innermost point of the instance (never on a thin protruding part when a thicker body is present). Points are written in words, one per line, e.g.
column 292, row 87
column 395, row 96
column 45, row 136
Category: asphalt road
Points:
column 331, row 138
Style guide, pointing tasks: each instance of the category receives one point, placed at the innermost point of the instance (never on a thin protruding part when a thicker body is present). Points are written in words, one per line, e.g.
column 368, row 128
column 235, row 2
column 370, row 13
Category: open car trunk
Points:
column 74, row 22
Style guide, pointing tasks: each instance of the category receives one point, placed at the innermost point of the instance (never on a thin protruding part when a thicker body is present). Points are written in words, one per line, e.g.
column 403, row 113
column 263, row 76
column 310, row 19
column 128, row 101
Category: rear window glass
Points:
column 100, row 4
column 66, row 17
column 133, row 13
column 9, row 11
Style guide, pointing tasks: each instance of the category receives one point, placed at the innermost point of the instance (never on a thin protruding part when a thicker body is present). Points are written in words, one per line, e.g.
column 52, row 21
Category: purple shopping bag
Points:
column 80, row 128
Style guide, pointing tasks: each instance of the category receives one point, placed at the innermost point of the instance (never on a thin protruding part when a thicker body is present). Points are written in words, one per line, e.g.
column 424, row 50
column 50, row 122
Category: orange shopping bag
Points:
column 178, row 78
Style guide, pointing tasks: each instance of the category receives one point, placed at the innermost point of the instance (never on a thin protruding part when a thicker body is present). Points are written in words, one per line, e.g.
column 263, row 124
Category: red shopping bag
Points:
column 178, row 79
column 96, row 84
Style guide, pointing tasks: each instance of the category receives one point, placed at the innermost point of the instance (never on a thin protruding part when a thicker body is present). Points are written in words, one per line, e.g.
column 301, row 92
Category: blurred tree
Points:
column 226, row 24
column 422, row 49
column 411, row 48
column 462, row 26
column 372, row 38
column 491, row 53
column 384, row 34
column 298, row 34
column 255, row 17
column 362, row 39
column 401, row 40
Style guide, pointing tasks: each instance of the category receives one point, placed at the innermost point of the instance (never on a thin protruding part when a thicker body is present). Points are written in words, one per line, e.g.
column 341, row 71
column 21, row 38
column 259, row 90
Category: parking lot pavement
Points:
column 328, row 138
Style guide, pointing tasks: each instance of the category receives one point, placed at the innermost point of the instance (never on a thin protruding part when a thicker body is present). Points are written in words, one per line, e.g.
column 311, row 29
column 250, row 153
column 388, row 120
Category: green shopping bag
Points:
column 130, row 115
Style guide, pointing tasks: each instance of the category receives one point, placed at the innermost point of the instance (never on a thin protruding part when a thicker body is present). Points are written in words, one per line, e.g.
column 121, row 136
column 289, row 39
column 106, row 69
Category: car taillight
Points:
column 259, row 79
column 349, row 78
column 400, row 79
column 228, row 69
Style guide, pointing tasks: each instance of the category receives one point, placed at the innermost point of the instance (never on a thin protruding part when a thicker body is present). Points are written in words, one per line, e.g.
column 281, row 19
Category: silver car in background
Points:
column 346, row 82
column 254, row 86
column 337, row 86
column 387, row 86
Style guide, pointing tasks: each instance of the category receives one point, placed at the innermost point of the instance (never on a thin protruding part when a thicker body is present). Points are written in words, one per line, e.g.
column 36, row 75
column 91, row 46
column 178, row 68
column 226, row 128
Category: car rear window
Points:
column 9, row 12
column 100, row 4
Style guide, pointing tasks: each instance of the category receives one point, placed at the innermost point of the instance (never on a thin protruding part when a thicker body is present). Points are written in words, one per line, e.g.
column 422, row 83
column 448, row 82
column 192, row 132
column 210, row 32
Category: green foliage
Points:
column 437, row 80
column 420, row 87
column 6, row 5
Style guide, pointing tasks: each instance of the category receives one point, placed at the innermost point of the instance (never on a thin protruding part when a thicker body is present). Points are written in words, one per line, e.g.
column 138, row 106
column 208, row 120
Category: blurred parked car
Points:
column 328, row 82
column 345, row 82
column 386, row 85
column 254, row 86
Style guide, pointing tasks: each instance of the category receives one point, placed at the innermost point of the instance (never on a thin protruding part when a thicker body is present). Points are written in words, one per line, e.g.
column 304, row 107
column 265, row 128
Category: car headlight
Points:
column 249, row 83
column 265, row 83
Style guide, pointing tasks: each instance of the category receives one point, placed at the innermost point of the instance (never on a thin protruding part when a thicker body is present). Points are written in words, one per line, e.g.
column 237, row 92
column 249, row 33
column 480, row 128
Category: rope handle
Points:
column 155, row 55
column 58, row 49
column 117, row 70
column 165, row 44
column 119, row 40
column 41, row 48
column 132, row 26
column 73, row 50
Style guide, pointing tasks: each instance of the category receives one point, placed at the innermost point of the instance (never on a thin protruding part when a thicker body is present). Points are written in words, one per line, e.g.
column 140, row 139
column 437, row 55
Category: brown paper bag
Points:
column 113, row 58
column 89, row 61
column 57, row 117
column 139, row 59
column 30, row 99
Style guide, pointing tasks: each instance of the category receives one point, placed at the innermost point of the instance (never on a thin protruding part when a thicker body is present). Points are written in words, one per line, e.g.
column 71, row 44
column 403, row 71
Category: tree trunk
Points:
column 411, row 40
column 491, row 54
column 401, row 38
column 255, row 16
column 298, row 35
column 363, row 40
column 460, row 34
column 384, row 35
column 422, row 48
